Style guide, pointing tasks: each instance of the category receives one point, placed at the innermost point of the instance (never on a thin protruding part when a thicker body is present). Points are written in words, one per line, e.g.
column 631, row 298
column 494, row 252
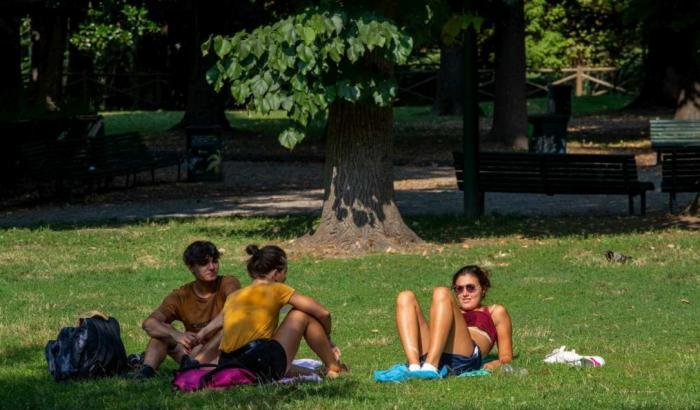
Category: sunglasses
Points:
column 469, row 288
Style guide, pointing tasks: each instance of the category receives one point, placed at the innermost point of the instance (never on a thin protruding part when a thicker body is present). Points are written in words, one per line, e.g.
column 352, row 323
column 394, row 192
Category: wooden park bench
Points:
column 680, row 172
column 127, row 155
column 522, row 172
column 57, row 163
column 673, row 134
column 65, row 163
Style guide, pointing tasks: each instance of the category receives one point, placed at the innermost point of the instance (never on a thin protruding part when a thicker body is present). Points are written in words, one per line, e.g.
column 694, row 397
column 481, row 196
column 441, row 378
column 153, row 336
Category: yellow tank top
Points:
column 252, row 313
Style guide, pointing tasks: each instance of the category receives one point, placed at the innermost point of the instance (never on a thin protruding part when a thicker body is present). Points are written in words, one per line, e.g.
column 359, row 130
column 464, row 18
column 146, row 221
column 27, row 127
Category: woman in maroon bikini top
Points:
column 478, row 325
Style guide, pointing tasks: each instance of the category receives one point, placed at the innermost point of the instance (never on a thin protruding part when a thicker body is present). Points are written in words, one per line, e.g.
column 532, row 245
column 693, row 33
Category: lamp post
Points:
column 470, row 122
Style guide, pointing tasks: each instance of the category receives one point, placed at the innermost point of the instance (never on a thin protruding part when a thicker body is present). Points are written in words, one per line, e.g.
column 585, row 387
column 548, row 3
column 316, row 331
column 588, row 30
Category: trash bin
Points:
column 559, row 99
column 548, row 133
column 204, row 154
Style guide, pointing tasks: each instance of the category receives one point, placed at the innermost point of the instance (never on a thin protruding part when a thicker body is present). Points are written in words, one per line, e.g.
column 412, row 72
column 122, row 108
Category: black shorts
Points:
column 264, row 357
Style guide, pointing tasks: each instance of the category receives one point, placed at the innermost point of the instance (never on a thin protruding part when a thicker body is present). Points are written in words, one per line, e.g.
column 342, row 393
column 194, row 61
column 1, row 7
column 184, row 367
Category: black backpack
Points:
column 93, row 349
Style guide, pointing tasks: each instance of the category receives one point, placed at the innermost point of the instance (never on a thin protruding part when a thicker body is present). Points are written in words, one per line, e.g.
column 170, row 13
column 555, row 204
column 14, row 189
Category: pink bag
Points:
column 191, row 380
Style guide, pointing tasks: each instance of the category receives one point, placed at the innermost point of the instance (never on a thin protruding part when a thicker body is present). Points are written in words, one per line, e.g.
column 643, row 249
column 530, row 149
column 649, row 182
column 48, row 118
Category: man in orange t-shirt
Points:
column 193, row 304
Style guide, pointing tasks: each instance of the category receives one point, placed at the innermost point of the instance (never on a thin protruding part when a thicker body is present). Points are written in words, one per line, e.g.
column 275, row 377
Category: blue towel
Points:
column 476, row 373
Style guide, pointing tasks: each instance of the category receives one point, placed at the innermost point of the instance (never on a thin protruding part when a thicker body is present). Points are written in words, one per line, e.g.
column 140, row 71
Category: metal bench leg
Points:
column 643, row 203
column 630, row 200
column 481, row 203
column 671, row 201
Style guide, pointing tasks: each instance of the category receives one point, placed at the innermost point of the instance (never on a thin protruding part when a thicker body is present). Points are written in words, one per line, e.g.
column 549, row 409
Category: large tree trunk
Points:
column 81, row 91
column 450, row 81
column 359, row 212
column 50, row 31
column 10, row 65
column 688, row 102
column 672, row 65
column 204, row 107
column 510, row 100
column 671, row 68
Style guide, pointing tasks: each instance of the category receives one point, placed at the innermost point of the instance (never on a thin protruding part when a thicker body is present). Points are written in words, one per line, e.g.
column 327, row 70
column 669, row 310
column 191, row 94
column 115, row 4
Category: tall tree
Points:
column 340, row 63
column 672, row 59
column 203, row 106
column 671, row 31
column 510, row 100
column 109, row 32
column 10, row 74
column 200, row 19
column 49, row 41
column 449, row 96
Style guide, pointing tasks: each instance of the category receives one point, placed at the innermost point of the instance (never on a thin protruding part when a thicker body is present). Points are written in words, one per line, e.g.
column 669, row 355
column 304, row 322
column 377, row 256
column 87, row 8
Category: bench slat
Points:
column 669, row 134
column 556, row 174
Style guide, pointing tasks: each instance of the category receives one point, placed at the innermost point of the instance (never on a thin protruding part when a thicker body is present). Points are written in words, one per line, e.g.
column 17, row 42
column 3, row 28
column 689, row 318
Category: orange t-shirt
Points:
column 195, row 312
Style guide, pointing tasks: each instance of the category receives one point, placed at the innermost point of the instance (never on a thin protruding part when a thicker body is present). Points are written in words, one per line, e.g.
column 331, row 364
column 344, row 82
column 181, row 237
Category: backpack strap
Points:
column 194, row 366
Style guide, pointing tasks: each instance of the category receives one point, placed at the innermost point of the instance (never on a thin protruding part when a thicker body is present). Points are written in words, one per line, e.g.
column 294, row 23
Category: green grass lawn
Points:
column 550, row 273
column 154, row 122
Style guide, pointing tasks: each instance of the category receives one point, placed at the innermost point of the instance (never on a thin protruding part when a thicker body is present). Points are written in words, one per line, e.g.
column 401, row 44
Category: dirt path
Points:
column 292, row 183
column 295, row 188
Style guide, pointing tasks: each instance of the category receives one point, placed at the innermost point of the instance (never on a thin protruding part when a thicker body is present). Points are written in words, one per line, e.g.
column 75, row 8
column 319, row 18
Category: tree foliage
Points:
column 111, row 31
column 303, row 63
column 579, row 32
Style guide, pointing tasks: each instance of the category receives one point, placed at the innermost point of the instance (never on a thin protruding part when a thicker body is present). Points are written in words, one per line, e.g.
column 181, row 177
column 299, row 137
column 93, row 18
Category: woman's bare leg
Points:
column 448, row 331
column 413, row 329
column 298, row 324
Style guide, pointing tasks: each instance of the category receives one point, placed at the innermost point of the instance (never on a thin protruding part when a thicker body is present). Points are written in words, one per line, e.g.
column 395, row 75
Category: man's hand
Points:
column 187, row 339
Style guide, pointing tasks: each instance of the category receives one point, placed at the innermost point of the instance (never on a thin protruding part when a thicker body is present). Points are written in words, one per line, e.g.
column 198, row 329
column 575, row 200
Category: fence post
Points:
column 579, row 81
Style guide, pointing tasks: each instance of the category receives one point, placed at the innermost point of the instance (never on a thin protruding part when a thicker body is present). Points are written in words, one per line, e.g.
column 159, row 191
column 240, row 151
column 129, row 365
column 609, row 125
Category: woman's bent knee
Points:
column 405, row 297
column 298, row 315
column 442, row 293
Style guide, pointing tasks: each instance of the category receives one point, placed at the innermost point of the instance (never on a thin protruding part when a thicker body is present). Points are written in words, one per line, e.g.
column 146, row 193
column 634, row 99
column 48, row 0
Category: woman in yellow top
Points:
column 250, row 317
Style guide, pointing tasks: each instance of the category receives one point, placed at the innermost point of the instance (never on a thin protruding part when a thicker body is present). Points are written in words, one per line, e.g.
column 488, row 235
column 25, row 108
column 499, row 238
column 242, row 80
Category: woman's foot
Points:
column 333, row 372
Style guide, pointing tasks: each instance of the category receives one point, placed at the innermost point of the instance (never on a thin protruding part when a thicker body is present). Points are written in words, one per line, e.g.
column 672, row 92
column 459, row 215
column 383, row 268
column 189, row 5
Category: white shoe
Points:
column 561, row 355
column 594, row 361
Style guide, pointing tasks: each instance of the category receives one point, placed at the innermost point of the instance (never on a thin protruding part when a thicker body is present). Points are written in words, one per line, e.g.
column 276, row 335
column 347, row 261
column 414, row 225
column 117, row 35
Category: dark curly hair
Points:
column 199, row 253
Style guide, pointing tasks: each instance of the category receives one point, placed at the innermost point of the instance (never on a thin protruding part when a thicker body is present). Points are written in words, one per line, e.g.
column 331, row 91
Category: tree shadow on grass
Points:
column 28, row 384
column 445, row 229
column 273, row 227
column 105, row 223
column 455, row 229
column 270, row 228
column 31, row 386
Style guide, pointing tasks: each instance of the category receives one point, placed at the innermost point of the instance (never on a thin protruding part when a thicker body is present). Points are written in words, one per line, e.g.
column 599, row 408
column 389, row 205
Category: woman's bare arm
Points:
column 214, row 325
column 504, row 330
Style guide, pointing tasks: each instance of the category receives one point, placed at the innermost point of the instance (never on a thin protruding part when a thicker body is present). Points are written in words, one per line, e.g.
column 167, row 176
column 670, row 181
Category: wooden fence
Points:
column 417, row 85
column 123, row 90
